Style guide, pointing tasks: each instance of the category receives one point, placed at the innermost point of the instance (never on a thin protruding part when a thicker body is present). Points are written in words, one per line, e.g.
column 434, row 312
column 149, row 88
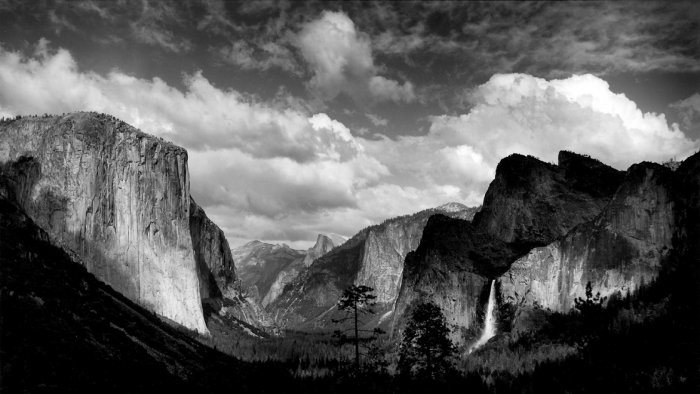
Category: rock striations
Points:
column 119, row 201
column 373, row 257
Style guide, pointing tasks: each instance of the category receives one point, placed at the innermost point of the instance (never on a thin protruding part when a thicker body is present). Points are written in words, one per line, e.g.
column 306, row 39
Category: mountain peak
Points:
column 452, row 207
column 323, row 245
column 321, row 241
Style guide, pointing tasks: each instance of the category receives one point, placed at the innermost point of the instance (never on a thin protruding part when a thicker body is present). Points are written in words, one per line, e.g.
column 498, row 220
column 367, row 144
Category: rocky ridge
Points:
column 620, row 250
column 529, row 204
column 322, row 246
column 373, row 257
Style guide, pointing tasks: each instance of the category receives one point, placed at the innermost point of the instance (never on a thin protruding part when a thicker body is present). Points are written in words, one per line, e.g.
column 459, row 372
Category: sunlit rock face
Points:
column 285, row 276
column 322, row 246
column 451, row 268
column 617, row 251
column 530, row 203
column 373, row 257
column 260, row 263
column 119, row 200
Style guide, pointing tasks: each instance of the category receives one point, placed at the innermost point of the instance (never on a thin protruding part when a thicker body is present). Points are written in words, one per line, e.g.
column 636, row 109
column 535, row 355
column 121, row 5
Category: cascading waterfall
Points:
column 489, row 323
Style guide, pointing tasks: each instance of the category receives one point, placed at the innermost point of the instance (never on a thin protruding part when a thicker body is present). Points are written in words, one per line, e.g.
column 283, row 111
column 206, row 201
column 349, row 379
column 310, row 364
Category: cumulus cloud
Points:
column 688, row 111
column 341, row 60
column 517, row 113
column 258, row 162
column 280, row 173
column 521, row 113
column 202, row 117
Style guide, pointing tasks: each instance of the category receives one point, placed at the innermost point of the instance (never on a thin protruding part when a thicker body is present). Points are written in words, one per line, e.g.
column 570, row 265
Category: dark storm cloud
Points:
column 545, row 39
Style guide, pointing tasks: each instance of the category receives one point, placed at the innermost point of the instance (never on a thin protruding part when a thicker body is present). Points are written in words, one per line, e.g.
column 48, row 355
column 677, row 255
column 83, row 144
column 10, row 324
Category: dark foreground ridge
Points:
column 63, row 330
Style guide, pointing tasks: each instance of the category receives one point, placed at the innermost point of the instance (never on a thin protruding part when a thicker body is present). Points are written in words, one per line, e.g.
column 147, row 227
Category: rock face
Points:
column 119, row 200
column 619, row 250
column 58, row 319
column 260, row 263
column 215, row 266
column 530, row 203
column 373, row 257
column 322, row 246
column 451, row 267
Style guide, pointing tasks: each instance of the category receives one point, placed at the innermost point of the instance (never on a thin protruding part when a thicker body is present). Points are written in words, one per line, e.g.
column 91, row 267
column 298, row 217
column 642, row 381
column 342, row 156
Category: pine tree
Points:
column 426, row 349
column 356, row 301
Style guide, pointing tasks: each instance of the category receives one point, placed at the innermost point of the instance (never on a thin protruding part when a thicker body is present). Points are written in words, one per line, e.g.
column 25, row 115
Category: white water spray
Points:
column 489, row 323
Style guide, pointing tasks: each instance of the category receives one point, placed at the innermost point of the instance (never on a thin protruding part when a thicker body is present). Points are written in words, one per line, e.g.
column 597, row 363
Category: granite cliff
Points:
column 373, row 257
column 119, row 201
column 215, row 266
column 259, row 264
column 287, row 274
column 530, row 203
column 618, row 251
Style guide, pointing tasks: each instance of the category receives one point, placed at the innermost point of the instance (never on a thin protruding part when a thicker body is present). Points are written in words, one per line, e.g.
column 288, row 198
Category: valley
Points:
column 565, row 272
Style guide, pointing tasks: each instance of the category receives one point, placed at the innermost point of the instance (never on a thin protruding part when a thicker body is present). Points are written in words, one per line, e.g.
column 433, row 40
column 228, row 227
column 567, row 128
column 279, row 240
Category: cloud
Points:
column 202, row 117
column 278, row 172
column 376, row 120
column 259, row 162
column 60, row 23
column 518, row 113
column 551, row 39
column 688, row 112
column 215, row 19
column 341, row 60
column 94, row 7
column 521, row 113
column 154, row 27
column 260, row 56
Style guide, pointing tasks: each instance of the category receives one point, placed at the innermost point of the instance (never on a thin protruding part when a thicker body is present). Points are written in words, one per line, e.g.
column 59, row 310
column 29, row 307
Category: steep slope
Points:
column 322, row 246
column 451, row 267
column 259, row 263
column 62, row 330
column 215, row 266
column 529, row 203
column 532, row 202
column 373, row 257
column 119, row 201
column 617, row 252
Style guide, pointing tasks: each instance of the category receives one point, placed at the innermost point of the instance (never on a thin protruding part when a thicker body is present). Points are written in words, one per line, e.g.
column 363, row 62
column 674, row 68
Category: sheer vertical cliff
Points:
column 212, row 254
column 617, row 251
column 530, row 203
column 118, row 200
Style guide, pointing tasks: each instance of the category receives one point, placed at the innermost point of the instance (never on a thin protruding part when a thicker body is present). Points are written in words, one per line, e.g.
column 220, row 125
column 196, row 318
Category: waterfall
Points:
column 489, row 321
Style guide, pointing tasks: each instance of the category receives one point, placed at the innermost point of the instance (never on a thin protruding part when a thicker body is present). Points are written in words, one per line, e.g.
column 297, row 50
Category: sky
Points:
column 325, row 117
